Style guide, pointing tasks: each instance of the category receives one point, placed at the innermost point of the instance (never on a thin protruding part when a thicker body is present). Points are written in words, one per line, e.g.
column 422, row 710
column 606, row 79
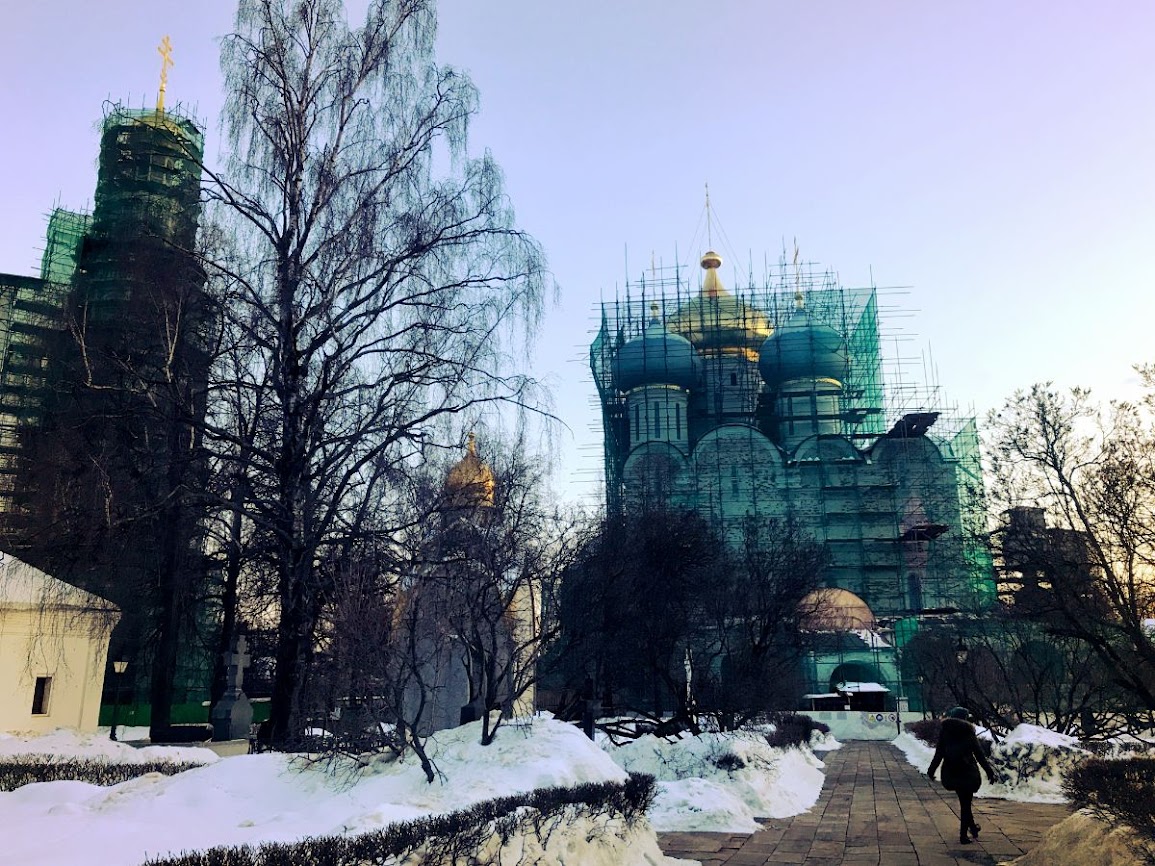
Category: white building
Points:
column 53, row 647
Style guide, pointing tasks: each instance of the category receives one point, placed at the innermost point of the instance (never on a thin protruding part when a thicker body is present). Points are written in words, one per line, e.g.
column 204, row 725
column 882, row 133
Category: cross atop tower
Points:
column 165, row 51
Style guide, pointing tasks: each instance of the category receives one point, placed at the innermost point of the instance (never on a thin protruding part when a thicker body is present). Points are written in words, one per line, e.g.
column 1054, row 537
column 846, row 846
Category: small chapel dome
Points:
column 657, row 357
column 716, row 321
column 803, row 349
column 470, row 483
column 834, row 609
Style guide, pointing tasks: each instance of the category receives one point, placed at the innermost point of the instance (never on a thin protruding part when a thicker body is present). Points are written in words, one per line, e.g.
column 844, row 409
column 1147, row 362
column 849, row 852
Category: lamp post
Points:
column 119, row 667
column 922, row 695
column 960, row 653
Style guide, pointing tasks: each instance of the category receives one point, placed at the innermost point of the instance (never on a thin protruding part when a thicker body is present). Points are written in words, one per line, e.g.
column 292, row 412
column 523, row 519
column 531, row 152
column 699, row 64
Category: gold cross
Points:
column 165, row 51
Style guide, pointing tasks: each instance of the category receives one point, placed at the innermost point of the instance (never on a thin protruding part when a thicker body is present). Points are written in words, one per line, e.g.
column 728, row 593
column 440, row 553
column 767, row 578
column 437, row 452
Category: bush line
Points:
column 454, row 837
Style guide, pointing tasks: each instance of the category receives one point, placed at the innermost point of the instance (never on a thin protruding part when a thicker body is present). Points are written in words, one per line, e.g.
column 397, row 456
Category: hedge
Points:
column 19, row 770
column 455, row 837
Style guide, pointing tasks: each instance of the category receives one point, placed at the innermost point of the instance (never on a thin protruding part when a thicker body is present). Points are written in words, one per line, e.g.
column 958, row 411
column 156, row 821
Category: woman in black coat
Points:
column 961, row 755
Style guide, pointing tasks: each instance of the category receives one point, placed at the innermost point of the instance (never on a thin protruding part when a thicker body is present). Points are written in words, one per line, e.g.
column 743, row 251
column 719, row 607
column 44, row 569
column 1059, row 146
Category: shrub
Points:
column 19, row 770
column 926, row 730
column 793, row 729
column 456, row 837
column 1118, row 791
column 729, row 762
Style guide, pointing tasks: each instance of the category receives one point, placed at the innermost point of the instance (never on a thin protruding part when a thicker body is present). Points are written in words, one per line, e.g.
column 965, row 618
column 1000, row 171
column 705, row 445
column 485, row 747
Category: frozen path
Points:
column 876, row 809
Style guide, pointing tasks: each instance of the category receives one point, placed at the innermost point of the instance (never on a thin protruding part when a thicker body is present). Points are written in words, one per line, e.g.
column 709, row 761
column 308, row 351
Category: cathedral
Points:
column 769, row 404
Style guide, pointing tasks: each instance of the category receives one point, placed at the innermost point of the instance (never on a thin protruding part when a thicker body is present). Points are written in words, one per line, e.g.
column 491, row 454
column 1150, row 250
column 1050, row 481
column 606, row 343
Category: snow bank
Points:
column 68, row 743
column 249, row 799
column 1030, row 762
column 721, row 782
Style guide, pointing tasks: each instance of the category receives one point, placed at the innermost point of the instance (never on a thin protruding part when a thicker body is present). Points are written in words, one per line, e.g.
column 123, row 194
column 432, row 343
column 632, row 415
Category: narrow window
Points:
column 41, row 695
column 658, row 420
column 733, row 378
column 678, row 421
column 637, row 421
column 914, row 589
column 734, row 480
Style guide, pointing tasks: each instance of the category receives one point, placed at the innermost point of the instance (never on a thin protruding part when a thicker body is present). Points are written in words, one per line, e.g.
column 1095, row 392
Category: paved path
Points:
column 876, row 809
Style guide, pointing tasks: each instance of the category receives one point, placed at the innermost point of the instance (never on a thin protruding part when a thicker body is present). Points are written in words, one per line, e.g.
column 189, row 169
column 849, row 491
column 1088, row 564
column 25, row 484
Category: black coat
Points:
column 961, row 755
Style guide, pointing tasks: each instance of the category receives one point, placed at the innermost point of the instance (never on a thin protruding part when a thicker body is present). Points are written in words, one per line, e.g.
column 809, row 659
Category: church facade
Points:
column 770, row 405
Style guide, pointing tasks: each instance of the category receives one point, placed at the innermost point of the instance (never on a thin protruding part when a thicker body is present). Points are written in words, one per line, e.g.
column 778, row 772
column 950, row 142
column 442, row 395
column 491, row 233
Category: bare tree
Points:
column 489, row 570
column 633, row 606
column 1076, row 485
column 377, row 277
column 752, row 657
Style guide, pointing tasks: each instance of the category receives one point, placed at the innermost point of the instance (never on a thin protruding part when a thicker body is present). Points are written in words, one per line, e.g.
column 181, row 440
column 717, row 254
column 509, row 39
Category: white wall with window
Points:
column 53, row 647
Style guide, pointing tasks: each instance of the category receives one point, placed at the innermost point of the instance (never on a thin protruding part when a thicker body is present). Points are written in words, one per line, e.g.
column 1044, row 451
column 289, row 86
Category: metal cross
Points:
column 165, row 51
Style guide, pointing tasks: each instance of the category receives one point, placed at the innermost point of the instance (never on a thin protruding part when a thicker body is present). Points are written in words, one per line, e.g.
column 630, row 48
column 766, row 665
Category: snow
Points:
column 67, row 743
column 871, row 638
column 250, row 799
column 720, row 782
column 1032, row 734
column 1032, row 761
column 862, row 687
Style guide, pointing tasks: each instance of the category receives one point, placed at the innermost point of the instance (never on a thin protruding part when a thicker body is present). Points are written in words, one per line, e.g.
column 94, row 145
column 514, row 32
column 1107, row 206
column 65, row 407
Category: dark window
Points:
column 657, row 419
column 678, row 421
column 914, row 588
column 733, row 378
column 41, row 695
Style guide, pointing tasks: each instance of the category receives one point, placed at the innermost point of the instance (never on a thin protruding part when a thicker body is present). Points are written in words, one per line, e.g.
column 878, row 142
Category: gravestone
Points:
column 232, row 717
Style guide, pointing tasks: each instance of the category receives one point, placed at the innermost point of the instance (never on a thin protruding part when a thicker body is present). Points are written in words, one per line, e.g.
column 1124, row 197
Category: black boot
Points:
column 963, row 839
column 975, row 830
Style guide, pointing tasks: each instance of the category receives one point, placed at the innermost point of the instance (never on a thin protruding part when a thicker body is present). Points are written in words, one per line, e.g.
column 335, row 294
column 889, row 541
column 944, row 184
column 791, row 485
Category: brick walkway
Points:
column 876, row 809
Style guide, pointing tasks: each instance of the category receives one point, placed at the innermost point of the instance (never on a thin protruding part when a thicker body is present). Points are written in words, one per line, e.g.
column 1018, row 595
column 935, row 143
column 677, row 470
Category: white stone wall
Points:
column 68, row 645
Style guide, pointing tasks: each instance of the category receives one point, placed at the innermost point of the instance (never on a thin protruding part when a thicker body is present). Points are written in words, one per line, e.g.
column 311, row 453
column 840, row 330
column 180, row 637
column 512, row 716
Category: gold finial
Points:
column 165, row 51
column 711, row 285
column 654, row 313
column 471, row 445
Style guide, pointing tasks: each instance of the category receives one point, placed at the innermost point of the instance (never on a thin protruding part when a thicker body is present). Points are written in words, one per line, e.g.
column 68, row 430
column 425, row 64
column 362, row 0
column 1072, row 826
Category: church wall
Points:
column 67, row 646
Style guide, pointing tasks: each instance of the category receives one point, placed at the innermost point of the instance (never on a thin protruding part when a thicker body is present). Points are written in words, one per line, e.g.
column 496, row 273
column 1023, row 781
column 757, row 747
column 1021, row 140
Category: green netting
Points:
column 66, row 230
column 964, row 446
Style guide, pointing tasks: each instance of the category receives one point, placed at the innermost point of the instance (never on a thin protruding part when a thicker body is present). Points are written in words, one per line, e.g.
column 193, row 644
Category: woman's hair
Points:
column 958, row 713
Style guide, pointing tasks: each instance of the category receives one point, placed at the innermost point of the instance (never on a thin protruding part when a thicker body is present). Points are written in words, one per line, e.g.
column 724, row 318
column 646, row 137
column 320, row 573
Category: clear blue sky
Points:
column 997, row 158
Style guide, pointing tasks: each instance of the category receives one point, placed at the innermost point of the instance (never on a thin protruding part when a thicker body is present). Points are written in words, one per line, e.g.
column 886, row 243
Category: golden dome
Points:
column 716, row 322
column 470, row 483
column 834, row 609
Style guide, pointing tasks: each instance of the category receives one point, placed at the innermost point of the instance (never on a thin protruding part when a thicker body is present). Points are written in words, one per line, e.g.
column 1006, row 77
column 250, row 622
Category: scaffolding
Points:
column 893, row 486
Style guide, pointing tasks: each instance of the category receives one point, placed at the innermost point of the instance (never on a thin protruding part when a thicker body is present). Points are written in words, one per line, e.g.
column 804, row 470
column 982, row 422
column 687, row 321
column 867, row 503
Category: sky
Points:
column 991, row 160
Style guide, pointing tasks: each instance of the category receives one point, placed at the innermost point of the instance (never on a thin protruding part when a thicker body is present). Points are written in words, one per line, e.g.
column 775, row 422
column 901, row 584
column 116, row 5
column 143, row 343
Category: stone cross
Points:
column 232, row 716
column 235, row 664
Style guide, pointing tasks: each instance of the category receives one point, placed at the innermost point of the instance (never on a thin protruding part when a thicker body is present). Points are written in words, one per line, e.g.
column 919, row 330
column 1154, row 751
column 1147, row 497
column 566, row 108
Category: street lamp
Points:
column 119, row 667
column 922, row 695
column 961, row 652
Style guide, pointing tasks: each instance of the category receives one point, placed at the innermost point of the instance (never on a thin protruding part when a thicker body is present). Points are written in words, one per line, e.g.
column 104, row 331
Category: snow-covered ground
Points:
column 65, row 743
column 1032, row 760
column 269, row 797
column 721, row 782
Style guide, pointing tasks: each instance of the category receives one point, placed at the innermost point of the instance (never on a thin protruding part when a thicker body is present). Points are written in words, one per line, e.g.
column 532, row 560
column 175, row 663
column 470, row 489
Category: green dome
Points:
column 657, row 357
column 802, row 349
